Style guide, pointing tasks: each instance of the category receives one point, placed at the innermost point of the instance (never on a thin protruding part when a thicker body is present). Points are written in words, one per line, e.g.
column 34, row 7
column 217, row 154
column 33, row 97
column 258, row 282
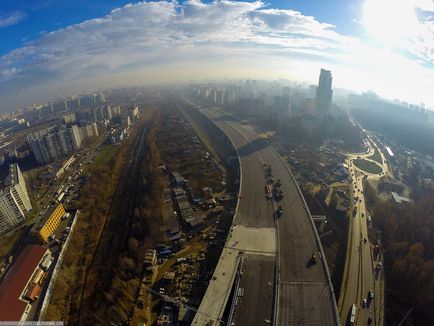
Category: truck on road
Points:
column 353, row 310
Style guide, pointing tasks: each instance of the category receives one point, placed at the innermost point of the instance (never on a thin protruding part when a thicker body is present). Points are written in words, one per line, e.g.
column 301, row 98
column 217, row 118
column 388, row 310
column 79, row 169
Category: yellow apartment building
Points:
column 48, row 223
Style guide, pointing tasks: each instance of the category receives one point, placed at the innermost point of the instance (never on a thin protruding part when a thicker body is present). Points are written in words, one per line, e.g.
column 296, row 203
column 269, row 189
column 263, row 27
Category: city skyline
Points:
column 217, row 162
column 120, row 44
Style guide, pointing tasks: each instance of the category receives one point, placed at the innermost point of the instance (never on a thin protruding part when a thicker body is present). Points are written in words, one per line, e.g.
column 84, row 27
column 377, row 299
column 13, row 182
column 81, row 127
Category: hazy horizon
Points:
column 384, row 46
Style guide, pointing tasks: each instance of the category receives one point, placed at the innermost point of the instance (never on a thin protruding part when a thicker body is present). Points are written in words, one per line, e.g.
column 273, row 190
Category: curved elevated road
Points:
column 302, row 293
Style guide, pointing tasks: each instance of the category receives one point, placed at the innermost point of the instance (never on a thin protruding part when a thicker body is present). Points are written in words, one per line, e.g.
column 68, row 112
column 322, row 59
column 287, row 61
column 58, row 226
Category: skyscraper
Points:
column 324, row 92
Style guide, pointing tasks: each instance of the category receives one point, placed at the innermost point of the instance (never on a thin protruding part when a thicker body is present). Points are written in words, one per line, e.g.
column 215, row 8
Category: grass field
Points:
column 106, row 154
column 368, row 166
column 376, row 156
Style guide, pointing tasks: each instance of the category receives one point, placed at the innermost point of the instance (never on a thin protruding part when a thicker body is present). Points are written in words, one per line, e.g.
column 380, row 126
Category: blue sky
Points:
column 57, row 48
column 36, row 17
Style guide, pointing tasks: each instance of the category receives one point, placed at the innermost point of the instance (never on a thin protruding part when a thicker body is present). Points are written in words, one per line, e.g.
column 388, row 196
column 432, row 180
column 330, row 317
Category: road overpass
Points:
column 277, row 250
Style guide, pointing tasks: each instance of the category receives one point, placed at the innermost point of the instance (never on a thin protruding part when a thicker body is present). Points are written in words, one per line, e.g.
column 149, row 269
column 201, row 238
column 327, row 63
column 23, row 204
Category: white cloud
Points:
column 425, row 5
column 154, row 41
column 403, row 25
column 11, row 18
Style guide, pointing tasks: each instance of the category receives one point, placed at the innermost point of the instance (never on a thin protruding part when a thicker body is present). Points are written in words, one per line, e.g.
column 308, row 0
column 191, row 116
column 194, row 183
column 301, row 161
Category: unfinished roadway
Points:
column 267, row 257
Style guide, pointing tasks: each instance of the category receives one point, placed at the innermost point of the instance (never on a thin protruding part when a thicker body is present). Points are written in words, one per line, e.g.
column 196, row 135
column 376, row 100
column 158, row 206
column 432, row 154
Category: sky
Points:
column 52, row 49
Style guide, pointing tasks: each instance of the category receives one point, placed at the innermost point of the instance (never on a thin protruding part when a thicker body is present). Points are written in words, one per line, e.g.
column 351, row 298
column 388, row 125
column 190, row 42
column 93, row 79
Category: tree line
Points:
column 408, row 241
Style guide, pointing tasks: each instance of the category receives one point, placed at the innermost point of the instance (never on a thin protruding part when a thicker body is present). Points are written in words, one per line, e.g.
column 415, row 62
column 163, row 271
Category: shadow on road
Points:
column 253, row 146
column 223, row 118
column 311, row 262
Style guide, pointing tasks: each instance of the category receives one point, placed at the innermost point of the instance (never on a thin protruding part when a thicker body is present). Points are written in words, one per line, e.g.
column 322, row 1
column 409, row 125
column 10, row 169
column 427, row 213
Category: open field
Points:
column 106, row 154
column 368, row 166
column 376, row 156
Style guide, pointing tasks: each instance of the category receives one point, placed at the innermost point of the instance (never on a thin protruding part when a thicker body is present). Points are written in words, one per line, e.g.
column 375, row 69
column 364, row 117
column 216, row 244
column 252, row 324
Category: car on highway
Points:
column 313, row 259
column 364, row 303
column 279, row 211
column 354, row 211
column 370, row 295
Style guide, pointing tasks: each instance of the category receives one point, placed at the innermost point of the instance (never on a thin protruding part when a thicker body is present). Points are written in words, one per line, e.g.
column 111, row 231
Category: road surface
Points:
column 360, row 274
column 302, row 290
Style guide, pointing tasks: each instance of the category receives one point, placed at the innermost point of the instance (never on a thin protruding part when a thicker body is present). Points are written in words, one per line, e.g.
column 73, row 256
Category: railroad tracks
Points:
column 108, row 245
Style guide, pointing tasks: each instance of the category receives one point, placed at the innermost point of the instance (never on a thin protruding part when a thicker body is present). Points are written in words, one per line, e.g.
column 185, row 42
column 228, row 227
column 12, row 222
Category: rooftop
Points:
column 389, row 151
column 44, row 217
column 11, row 306
column 399, row 199
column 195, row 221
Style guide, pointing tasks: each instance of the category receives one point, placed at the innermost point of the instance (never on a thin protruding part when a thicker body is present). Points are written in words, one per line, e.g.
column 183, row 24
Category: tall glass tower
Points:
column 324, row 92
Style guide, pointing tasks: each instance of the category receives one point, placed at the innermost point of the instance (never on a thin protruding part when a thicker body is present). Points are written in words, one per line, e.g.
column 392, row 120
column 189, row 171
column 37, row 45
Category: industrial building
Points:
column 48, row 224
column 49, row 144
column 22, row 284
column 14, row 199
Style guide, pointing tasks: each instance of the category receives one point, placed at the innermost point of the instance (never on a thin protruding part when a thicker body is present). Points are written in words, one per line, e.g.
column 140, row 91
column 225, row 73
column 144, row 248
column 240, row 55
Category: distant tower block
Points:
column 324, row 92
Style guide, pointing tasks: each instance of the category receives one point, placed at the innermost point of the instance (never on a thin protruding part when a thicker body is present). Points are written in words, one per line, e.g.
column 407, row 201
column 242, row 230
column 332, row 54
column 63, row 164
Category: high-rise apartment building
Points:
column 70, row 119
column 90, row 130
column 73, row 103
column 60, row 106
column 14, row 199
column 99, row 98
column 95, row 115
column 324, row 92
column 51, row 143
column 90, row 100
column 86, row 101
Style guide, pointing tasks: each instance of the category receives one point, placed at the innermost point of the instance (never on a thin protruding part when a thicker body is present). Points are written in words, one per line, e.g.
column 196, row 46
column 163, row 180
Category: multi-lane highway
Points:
column 302, row 292
column 252, row 239
column 304, row 295
column 361, row 275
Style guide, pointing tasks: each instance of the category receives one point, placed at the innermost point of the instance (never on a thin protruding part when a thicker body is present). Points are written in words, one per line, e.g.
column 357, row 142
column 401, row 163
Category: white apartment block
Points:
column 14, row 199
